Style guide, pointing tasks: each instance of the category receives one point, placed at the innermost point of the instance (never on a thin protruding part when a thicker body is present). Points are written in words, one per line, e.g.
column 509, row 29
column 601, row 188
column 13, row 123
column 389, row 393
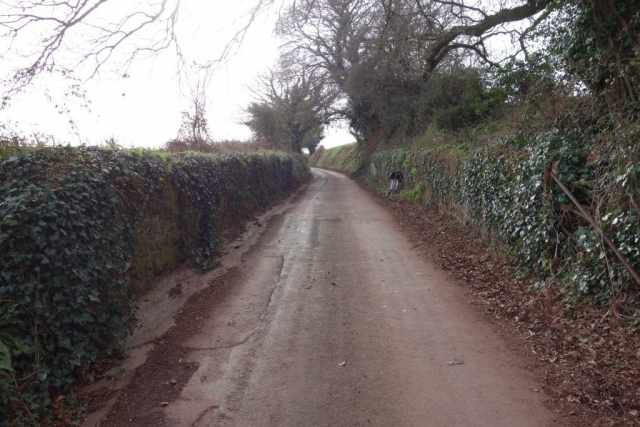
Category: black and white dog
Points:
column 395, row 179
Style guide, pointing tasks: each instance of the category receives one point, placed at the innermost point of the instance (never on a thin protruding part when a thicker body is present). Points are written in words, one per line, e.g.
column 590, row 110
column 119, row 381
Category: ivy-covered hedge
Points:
column 69, row 222
column 501, row 189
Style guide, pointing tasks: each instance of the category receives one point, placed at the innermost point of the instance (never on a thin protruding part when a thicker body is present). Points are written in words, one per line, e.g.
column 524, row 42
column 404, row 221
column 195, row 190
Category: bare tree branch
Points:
column 433, row 54
column 68, row 35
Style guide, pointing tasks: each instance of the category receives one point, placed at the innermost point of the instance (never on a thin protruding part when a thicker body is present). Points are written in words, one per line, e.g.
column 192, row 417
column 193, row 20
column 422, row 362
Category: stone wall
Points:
column 160, row 247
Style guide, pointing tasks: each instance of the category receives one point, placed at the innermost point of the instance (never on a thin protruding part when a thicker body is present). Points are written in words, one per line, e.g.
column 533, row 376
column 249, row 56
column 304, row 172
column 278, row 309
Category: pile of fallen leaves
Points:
column 590, row 358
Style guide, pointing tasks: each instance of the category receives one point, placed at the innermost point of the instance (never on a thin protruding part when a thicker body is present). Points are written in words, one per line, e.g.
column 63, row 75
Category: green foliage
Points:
column 457, row 100
column 68, row 221
column 504, row 191
column 346, row 158
column 598, row 41
column 501, row 190
column 572, row 98
column 414, row 195
column 532, row 79
column 8, row 341
column 13, row 145
column 289, row 128
column 313, row 138
column 294, row 106
column 406, row 108
column 266, row 122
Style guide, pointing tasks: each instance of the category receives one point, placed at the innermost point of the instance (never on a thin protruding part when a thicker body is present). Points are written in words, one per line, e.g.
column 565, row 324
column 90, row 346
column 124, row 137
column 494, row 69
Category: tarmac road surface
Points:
column 333, row 320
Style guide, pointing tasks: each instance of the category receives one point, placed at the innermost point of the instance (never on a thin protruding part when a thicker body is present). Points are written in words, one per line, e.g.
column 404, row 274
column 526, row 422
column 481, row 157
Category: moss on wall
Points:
column 159, row 247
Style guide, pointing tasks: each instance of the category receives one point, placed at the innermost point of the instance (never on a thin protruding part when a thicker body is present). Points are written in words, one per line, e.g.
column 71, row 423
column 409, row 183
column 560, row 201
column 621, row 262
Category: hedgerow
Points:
column 500, row 188
column 68, row 231
column 347, row 158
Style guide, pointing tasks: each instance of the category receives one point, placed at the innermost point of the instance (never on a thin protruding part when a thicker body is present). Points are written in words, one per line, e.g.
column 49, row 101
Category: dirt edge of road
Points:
column 157, row 364
column 589, row 362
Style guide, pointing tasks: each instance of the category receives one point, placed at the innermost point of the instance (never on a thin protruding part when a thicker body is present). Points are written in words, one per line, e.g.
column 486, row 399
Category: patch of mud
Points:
column 135, row 391
column 168, row 368
column 154, row 385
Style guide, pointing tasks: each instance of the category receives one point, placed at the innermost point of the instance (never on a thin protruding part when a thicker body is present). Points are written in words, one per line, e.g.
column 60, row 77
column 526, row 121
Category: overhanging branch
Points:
column 434, row 54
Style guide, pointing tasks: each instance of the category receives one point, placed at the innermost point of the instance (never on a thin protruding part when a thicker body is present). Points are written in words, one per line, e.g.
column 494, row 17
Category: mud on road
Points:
column 323, row 316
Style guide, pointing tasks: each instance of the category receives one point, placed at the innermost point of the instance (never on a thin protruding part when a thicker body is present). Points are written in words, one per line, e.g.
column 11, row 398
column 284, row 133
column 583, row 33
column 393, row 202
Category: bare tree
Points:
column 338, row 34
column 339, row 40
column 383, row 53
column 194, row 130
column 194, row 124
column 470, row 27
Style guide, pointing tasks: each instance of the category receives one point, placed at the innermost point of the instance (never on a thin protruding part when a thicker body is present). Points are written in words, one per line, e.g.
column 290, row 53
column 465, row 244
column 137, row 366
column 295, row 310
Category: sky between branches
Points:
column 143, row 110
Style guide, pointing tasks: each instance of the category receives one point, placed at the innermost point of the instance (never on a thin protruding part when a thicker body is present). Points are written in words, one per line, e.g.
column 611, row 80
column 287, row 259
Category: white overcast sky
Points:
column 144, row 110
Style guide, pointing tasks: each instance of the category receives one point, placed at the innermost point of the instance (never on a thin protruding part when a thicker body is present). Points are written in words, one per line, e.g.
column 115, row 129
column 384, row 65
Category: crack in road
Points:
column 226, row 346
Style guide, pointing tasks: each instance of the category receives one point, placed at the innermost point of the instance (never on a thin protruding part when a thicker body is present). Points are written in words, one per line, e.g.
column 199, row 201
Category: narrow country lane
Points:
column 333, row 320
